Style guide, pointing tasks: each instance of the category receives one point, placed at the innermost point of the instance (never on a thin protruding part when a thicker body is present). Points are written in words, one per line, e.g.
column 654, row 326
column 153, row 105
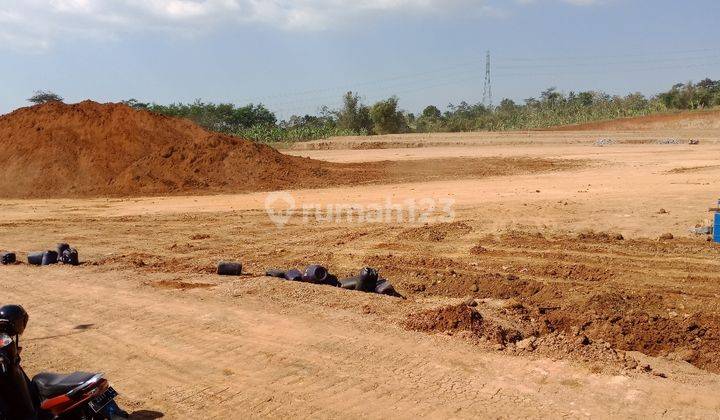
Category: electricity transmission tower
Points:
column 487, row 90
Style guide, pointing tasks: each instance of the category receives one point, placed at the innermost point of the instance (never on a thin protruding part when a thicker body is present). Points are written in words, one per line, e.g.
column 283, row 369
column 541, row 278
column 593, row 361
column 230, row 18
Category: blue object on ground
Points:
column 716, row 228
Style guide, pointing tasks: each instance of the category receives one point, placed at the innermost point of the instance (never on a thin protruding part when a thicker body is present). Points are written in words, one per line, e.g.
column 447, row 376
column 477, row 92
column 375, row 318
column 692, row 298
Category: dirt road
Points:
column 622, row 327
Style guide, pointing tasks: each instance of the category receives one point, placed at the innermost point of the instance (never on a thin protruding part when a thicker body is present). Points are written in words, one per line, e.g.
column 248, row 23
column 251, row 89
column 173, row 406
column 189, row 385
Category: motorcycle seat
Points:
column 51, row 385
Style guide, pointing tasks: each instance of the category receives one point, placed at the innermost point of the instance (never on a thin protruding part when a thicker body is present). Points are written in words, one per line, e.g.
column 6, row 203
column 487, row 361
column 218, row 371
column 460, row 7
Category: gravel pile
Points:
column 668, row 141
column 604, row 142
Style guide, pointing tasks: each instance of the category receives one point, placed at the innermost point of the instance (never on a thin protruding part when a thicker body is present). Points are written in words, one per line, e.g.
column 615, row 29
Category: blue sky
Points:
column 295, row 56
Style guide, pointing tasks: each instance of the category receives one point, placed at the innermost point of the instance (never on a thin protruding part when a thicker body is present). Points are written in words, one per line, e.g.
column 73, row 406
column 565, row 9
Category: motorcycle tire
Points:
column 229, row 269
column 110, row 412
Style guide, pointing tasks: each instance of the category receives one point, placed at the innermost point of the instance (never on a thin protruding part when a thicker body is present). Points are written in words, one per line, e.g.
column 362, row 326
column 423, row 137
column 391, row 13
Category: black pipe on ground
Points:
column 49, row 257
column 316, row 274
column 70, row 257
column 280, row 274
column 294, row 275
column 35, row 258
column 7, row 258
column 229, row 269
column 61, row 247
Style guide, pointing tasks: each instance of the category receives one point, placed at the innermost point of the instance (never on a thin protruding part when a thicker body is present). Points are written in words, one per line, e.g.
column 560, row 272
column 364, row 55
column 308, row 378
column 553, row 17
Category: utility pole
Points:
column 487, row 90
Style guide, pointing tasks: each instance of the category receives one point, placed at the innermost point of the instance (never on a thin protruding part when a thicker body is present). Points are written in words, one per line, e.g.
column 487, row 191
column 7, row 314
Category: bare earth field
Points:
column 549, row 294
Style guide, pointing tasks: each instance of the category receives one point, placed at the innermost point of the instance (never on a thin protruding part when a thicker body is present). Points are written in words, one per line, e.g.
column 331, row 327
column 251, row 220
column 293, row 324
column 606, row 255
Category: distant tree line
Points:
column 550, row 108
column 216, row 117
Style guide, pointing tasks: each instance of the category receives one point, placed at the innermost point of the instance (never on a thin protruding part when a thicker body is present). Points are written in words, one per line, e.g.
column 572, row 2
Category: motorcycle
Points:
column 80, row 395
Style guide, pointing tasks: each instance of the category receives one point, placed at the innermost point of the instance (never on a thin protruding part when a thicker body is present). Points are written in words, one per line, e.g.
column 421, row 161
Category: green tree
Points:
column 431, row 120
column 636, row 101
column 432, row 112
column 465, row 116
column 507, row 106
column 551, row 96
column 41, row 97
column 217, row 117
column 134, row 103
column 387, row 118
column 354, row 115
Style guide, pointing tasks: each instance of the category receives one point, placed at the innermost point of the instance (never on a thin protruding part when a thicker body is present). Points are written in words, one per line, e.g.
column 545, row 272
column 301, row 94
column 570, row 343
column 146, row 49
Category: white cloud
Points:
column 36, row 24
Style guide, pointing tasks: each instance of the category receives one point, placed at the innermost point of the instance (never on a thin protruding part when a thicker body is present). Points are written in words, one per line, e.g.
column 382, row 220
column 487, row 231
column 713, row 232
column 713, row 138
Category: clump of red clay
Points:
column 92, row 149
column 462, row 318
column 449, row 318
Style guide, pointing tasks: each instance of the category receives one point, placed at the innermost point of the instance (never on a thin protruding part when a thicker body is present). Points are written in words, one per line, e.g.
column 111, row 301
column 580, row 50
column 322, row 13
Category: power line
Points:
column 452, row 74
column 610, row 63
column 519, row 71
column 350, row 86
column 453, row 79
column 522, row 63
column 602, row 57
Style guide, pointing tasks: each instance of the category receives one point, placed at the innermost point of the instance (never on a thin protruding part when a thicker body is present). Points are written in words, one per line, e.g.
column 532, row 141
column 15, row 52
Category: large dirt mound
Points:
column 699, row 120
column 92, row 149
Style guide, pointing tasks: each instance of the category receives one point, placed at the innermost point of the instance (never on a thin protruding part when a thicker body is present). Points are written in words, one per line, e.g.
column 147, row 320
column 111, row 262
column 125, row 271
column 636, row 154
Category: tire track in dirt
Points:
column 227, row 357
